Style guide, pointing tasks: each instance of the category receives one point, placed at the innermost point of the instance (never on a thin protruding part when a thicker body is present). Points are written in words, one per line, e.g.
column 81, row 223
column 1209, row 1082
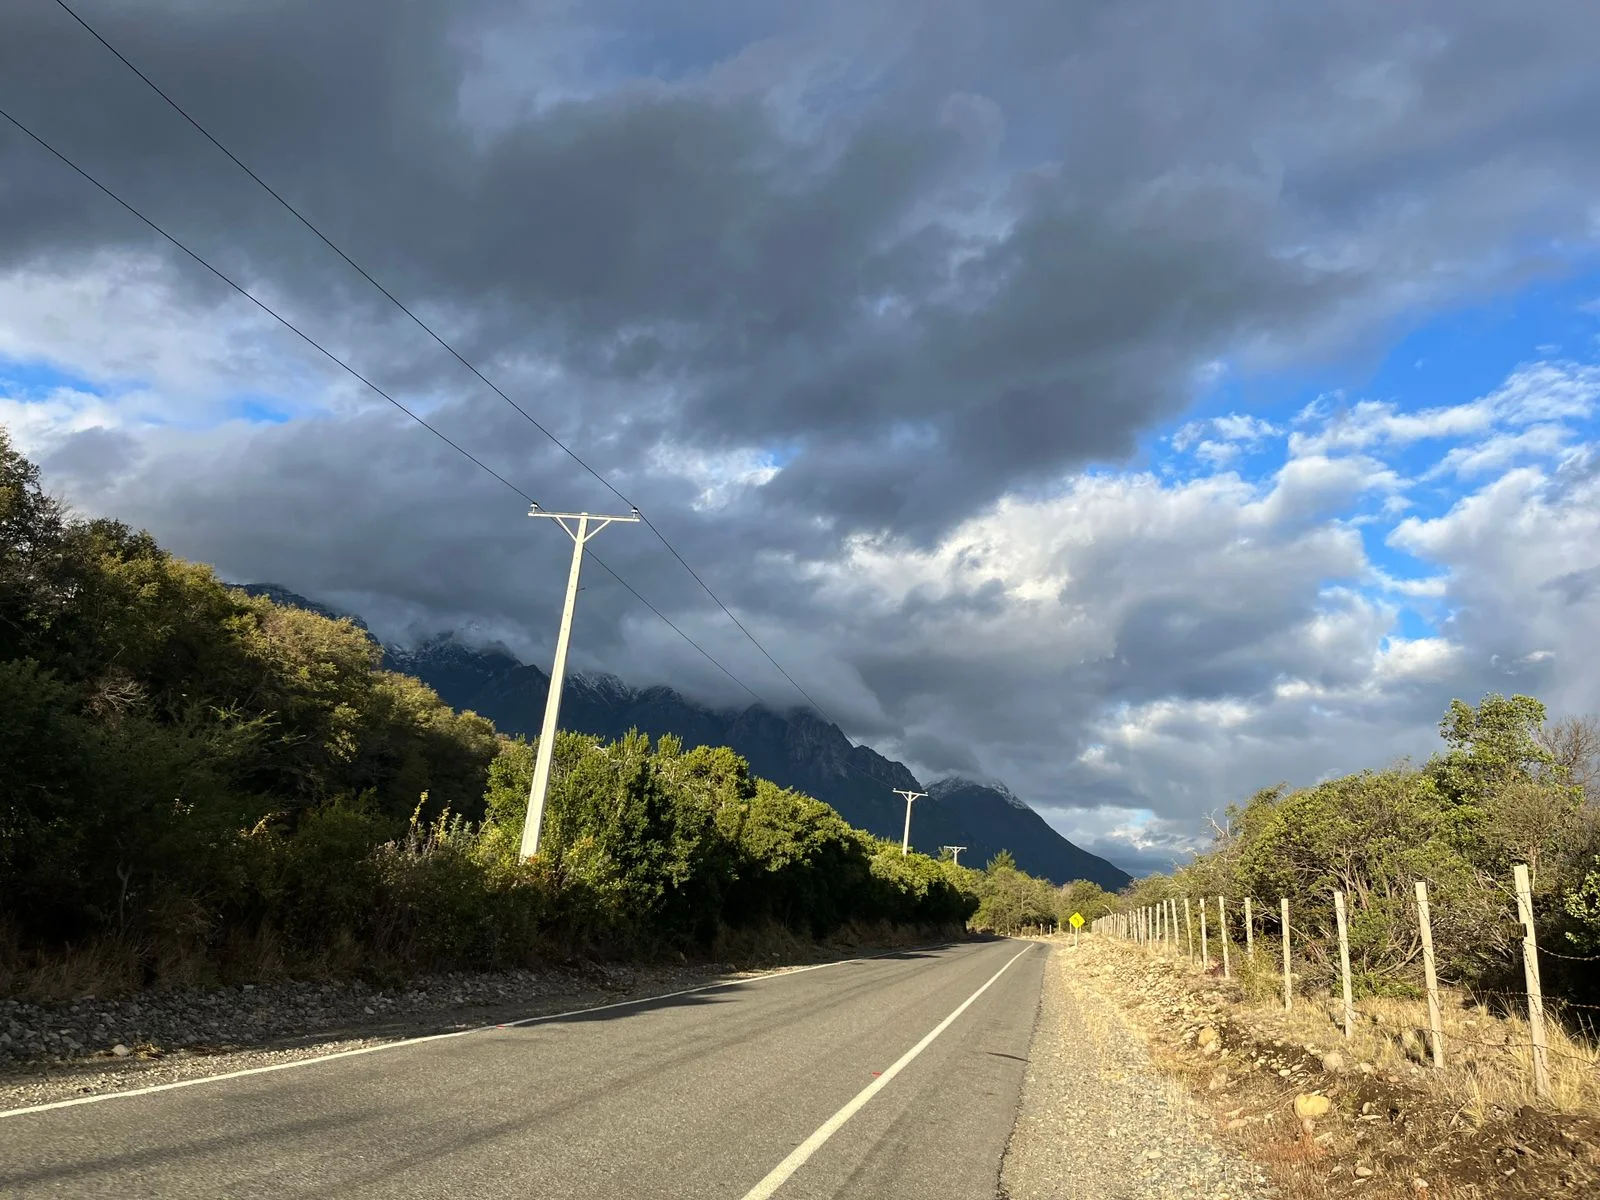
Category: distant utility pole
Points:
column 905, row 842
column 955, row 853
column 580, row 535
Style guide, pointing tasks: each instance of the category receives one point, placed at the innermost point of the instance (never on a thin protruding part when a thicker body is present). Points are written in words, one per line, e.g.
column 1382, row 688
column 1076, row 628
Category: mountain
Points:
column 797, row 750
column 987, row 819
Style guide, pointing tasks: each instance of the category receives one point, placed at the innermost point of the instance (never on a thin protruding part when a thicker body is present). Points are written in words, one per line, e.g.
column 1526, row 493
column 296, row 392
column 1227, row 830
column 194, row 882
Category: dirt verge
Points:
column 1377, row 1128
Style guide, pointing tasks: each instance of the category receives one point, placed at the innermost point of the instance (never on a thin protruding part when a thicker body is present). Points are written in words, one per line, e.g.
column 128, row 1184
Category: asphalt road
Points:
column 700, row 1095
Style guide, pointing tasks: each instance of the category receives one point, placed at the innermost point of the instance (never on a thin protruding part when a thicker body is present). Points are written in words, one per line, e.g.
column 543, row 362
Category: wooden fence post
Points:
column 1222, row 934
column 1344, row 965
column 1188, row 927
column 1249, row 931
column 1172, row 912
column 1530, row 972
column 1205, row 944
column 1430, row 977
column 1288, row 974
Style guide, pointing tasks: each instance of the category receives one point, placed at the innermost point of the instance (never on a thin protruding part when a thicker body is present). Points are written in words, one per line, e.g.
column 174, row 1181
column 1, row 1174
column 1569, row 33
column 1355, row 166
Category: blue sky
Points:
column 33, row 381
column 1441, row 360
column 23, row 379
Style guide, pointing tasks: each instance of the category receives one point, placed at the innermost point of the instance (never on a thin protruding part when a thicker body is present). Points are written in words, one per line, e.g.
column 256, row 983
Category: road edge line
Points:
column 779, row 1175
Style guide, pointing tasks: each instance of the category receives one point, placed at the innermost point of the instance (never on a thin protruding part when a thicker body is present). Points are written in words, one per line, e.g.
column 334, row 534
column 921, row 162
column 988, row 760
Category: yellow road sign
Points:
column 1077, row 920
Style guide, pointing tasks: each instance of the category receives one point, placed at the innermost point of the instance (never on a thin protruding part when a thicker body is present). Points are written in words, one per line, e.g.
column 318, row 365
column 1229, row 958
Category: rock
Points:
column 1309, row 1106
column 1419, row 1184
column 1207, row 1037
column 1333, row 1062
column 120, row 1050
column 1363, row 1172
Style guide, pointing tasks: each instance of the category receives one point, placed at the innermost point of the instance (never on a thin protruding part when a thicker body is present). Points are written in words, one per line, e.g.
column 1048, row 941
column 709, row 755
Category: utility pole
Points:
column 905, row 842
column 580, row 533
column 955, row 853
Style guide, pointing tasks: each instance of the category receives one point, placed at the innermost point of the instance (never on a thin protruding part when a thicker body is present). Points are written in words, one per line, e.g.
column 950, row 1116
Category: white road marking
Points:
column 779, row 1174
column 432, row 1037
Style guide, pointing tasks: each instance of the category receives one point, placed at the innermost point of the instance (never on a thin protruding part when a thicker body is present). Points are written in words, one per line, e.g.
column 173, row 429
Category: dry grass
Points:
column 1488, row 1056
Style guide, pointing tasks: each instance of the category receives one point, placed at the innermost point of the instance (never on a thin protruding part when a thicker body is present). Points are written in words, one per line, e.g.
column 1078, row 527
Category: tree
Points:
column 1573, row 744
column 33, row 529
column 1010, row 900
column 1490, row 746
column 1081, row 896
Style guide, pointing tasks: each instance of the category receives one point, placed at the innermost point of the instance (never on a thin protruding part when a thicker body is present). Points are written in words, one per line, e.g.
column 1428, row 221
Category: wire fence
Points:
column 1198, row 928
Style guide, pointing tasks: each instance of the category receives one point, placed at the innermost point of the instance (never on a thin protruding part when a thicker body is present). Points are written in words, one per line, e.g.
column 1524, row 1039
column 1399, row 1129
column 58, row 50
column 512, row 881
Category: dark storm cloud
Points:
column 929, row 254
column 683, row 232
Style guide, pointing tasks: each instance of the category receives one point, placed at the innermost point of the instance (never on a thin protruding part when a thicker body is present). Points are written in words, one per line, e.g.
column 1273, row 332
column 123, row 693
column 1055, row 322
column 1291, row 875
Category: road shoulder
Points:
column 1097, row 1119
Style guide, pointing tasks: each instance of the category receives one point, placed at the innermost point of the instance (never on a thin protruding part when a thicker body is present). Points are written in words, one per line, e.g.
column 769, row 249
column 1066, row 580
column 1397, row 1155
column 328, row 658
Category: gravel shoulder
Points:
column 1098, row 1121
column 90, row 1046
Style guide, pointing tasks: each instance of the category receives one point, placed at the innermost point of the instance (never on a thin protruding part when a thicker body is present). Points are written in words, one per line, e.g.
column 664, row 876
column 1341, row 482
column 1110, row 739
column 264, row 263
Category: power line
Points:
column 339, row 362
column 269, row 310
column 602, row 565
column 426, row 328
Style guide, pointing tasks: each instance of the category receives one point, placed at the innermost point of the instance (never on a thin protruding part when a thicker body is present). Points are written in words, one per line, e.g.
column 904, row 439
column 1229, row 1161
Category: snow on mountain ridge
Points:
column 954, row 783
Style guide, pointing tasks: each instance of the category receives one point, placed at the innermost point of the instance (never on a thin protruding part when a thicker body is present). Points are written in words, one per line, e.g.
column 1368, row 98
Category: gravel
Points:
column 58, row 1051
column 1097, row 1120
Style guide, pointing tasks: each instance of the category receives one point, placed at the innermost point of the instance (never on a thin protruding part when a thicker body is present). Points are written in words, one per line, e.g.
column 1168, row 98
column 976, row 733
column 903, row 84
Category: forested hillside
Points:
column 196, row 783
column 797, row 749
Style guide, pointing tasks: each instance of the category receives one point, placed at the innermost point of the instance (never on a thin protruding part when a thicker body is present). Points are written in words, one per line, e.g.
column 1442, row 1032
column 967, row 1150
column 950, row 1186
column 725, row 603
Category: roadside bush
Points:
column 1506, row 789
column 204, row 783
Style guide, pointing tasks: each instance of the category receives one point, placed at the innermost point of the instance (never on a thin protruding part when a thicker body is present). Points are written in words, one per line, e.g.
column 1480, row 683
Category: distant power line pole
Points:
column 955, row 853
column 905, row 842
column 580, row 535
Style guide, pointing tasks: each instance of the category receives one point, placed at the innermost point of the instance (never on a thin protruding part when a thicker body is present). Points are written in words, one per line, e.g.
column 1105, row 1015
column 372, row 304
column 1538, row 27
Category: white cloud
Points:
column 720, row 477
column 1217, row 454
column 1229, row 436
column 1500, row 451
column 1539, row 392
column 1523, row 557
column 1318, row 486
column 35, row 424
